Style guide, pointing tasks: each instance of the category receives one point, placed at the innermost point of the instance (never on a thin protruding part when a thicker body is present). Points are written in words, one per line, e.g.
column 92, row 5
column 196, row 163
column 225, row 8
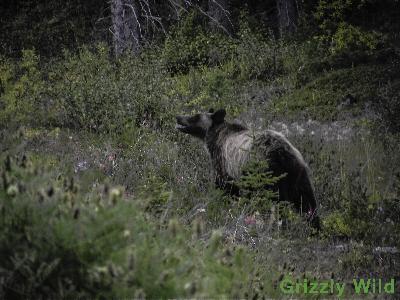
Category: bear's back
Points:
column 278, row 149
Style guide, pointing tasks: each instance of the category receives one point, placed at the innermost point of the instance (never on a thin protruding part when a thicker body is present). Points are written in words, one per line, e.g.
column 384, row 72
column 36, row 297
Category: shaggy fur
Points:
column 230, row 146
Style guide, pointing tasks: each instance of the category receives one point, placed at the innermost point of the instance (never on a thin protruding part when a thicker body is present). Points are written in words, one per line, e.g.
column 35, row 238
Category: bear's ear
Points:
column 211, row 111
column 219, row 116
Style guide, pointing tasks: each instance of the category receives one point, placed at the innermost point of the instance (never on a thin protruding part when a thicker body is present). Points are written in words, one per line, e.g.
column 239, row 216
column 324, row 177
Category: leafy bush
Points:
column 57, row 241
column 208, row 87
column 190, row 45
column 50, row 26
column 257, row 55
column 350, row 38
column 21, row 90
column 86, row 91
column 356, row 183
column 98, row 95
column 335, row 225
column 252, row 55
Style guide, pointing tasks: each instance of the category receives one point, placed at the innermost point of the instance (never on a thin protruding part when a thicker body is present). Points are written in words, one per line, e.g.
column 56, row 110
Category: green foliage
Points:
column 335, row 225
column 84, row 84
column 259, row 195
column 304, row 61
column 256, row 186
column 22, row 87
column 252, row 55
column 98, row 95
column 208, row 87
column 50, row 26
column 253, row 58
column 257, row 55
column 364, row 170
column 86, row 91
column 189, row 45
column 331, row 13
column 356, row 29
column 351, row 38
column 320, row 97
column 155, row 195
column 58, row 241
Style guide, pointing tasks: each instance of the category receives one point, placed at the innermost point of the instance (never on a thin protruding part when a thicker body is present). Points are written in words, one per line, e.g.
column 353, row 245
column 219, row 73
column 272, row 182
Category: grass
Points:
column 61, row 238
column 320, row 98
column 167, row 219
column 122, row 205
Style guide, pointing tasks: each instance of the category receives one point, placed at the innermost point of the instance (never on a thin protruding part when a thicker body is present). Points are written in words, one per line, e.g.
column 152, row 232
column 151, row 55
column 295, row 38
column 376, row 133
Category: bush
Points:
column 190, row 45
column 257, row 55
column 204, row 88
column 58, row 241
column 356, row 183
column 21, row 90
column 86, row 91
column 351, row 38
column 98, row 95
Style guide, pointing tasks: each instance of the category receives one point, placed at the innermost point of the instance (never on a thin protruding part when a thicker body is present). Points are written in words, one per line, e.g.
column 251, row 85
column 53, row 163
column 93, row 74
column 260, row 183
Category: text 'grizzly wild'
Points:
column 230, row 146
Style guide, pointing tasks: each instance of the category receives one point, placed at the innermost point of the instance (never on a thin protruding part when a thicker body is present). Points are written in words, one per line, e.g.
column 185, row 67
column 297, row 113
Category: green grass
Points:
column 112, row 201
column 57, row 240
column 156, row 235
column 320, row 98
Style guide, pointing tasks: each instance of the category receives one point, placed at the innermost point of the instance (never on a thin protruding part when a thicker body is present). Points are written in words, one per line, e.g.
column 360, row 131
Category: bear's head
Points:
column 199, row 124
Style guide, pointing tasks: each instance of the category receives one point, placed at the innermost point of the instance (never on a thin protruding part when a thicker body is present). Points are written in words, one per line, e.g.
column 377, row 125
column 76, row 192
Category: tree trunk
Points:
column 218, row 11
column 287, row 16
column 126, row 26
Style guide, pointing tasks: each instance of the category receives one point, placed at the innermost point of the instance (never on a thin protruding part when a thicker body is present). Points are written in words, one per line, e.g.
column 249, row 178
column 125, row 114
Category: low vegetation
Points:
column 100, row 197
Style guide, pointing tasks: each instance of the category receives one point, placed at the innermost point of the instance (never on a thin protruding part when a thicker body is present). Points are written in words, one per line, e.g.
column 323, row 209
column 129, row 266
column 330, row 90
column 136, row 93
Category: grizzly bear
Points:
column 230, row 145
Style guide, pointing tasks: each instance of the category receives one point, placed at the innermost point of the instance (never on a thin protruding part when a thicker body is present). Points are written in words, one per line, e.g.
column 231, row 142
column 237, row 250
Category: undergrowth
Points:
column 58, row 241
column 101, row 197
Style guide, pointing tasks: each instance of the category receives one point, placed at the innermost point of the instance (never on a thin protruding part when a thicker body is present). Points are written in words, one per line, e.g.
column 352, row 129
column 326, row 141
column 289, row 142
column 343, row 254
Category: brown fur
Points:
column 230, row 145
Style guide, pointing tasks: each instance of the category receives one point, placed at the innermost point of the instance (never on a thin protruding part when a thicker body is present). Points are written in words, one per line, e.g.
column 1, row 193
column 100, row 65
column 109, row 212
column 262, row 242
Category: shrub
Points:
column 256, row 186
column 321, row 97
column 208, row 87
column 21, row 90
column 86, row 91
column 190, row 45
column 351, row 38
column 257, row 55
column 99, row 95
column 58, row 241
column 356, row 183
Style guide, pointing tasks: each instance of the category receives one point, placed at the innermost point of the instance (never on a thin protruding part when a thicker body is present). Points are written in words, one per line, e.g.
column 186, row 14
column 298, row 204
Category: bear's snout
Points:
column 181, row 123
column 180, row 120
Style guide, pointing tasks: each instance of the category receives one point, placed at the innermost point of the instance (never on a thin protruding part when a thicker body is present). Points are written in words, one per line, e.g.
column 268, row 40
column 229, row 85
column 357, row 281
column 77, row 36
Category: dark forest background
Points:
column 101, row 197
column 49, row 26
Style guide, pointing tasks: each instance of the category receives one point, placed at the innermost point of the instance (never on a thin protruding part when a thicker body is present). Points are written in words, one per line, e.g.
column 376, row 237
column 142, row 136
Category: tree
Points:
column 218, row 13
column 288, row 14
column 125, row 26
column 134, row 21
